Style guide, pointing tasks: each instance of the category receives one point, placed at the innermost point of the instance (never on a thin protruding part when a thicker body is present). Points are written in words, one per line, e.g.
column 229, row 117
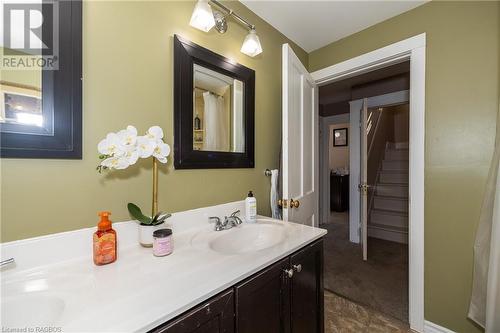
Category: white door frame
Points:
column 412, row 49
column 324, row 162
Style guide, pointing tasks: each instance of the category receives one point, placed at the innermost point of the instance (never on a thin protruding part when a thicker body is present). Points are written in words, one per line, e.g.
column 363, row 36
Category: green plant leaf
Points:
column 136, row 213
column 155, row 218
column 160, row 218
column 164, row 217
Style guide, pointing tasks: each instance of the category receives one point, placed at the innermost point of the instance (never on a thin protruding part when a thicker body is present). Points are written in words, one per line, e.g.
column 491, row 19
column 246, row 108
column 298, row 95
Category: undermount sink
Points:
column 244, row 238
column 31, row 310
column 34, row 299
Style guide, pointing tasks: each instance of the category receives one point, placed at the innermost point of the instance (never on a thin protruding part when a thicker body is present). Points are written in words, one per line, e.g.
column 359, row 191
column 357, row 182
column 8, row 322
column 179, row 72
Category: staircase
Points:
column 388, row 216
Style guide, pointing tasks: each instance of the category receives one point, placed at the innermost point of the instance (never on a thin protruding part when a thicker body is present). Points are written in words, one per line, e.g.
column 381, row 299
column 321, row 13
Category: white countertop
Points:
column 140, row 291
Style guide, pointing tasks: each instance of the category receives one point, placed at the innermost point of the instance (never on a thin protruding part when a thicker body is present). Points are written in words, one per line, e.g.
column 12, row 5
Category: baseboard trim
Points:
column 430, row 327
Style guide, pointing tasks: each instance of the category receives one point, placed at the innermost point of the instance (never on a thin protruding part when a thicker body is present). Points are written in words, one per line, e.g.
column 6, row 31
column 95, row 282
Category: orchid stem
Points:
column 155, row 187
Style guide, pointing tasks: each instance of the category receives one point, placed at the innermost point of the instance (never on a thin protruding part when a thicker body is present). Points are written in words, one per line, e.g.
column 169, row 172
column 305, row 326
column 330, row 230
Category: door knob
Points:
column 288, row 273
column 363, row 188
column 294, row 203
column 297, row 268
column 283, row 203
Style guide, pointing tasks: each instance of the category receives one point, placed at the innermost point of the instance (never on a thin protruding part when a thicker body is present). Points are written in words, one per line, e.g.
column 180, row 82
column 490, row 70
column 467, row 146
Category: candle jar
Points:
column 162, row 242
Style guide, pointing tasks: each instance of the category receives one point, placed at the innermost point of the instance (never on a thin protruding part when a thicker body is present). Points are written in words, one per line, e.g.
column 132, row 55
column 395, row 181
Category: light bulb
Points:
column 202, row 17
column 251, row 45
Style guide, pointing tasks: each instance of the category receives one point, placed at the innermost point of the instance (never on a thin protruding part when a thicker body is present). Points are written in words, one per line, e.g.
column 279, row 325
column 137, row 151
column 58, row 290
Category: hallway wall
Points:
column 338, row 156
column 401, row 122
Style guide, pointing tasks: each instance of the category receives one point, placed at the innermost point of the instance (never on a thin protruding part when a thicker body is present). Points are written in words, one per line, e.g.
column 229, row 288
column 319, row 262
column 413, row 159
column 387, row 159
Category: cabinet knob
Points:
column 288, row 272
column 297, row 268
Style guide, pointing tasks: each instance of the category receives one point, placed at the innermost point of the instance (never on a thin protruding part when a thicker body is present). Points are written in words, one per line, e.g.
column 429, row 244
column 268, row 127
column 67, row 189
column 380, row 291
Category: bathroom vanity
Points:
column 287, row 296
column 255, row 277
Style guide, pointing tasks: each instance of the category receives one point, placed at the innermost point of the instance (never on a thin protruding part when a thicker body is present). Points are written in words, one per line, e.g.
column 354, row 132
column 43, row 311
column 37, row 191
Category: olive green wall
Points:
column 462, row 92
column 31, row 78
column 128, row 79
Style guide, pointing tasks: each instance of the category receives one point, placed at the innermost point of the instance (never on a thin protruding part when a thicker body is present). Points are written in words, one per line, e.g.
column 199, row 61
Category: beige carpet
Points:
column 380, row 283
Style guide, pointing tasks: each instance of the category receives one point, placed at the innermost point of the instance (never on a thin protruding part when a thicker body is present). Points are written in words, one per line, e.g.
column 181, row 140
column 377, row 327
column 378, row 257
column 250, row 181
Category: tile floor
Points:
column 344, row 316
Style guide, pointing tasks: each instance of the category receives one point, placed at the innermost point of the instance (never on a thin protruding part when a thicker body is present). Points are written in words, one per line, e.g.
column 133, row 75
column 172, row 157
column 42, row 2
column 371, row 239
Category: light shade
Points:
column 202, row 17
column 251, row 45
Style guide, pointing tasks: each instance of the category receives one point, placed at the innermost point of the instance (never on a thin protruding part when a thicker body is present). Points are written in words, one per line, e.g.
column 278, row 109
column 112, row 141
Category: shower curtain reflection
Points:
column 215, row 123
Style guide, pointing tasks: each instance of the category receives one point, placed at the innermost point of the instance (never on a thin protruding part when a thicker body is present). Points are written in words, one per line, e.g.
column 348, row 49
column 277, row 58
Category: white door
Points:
column 300, row 142
column 363, row 183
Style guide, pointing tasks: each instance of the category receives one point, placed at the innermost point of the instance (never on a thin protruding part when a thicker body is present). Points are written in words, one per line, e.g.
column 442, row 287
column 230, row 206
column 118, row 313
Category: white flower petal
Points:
column 145, row 147
column 115, row 163
column 102, row 147
column 132, row 130
column 161, row 149
column 122, row 163
column 132, row 156
column 128, row 136
column 108, row 162
column 165, row 150
column 162, row 159
column 111, row 145
column 155, row 132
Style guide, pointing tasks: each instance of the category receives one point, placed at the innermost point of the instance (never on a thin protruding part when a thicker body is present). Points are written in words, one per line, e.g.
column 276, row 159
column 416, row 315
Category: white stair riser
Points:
column 394, row 165
column 399, row 155
column 394, row 205
column 394, row 178
column 388, row 219
column 393, row 236
column 397, row 145
column 392, row 190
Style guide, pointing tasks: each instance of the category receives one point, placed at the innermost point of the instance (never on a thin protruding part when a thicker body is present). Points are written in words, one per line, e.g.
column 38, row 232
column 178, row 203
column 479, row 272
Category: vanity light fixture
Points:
column 204, row 19
column 251, row 45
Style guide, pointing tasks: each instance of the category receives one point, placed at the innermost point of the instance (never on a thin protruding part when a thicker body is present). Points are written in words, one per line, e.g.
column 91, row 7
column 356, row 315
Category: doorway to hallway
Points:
column 381, row 282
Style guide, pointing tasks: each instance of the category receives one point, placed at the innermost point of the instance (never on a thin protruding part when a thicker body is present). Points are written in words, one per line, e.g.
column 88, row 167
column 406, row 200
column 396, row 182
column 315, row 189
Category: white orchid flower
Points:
column 111, row 146
column 132, row 156
column 115, row 163
column 155, row 133
column 145, row 146
column 128, row 136
column 161, row 151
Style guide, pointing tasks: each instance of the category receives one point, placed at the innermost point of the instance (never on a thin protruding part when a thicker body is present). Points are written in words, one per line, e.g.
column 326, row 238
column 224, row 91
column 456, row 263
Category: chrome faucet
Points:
column 229, row 221
column 233, row 220
column 7, row 262
column 218, row 223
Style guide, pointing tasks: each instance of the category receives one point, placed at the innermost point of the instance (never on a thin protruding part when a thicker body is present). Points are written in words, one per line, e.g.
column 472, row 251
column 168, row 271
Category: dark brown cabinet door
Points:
column 307, row 290
column 214, row 316
column 263, row 301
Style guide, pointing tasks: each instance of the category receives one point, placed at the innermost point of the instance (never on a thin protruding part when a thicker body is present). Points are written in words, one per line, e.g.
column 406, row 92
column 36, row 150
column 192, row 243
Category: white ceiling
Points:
column 314, row 24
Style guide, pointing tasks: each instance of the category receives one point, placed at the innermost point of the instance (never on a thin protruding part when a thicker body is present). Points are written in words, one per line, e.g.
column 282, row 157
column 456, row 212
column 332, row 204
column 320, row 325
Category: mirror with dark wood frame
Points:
column 213, row 109
column 41, row 104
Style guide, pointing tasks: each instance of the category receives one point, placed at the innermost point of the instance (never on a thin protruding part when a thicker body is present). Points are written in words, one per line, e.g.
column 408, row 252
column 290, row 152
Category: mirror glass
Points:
column 21, row 108
column 218, row 115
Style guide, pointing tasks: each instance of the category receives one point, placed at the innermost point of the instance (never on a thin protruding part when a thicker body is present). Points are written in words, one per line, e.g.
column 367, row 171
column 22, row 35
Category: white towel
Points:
column 275, row 210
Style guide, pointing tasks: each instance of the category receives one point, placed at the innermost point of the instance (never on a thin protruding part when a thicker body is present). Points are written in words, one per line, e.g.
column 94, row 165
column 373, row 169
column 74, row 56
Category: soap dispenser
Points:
column 250, row 208
column 104, row 241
